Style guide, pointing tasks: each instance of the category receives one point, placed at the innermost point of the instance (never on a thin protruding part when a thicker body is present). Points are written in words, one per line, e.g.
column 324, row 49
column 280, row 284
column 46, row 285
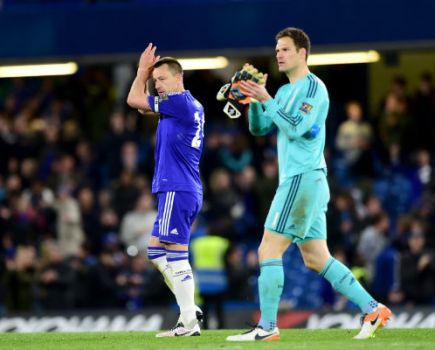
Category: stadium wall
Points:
column 84, row 30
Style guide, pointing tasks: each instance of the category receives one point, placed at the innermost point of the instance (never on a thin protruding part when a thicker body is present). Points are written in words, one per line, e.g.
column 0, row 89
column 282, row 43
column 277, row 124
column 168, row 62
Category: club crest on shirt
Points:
column 306, row 108
column 163, row 97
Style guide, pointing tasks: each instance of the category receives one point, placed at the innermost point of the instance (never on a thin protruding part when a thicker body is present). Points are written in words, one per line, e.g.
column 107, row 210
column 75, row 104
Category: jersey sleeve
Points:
column 170, row 105
column 305, row 116
column 259, row 123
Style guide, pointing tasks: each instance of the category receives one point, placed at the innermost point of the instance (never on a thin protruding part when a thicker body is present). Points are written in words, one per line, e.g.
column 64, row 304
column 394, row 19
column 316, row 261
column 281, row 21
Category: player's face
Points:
column 166, row 81
column 287, row 55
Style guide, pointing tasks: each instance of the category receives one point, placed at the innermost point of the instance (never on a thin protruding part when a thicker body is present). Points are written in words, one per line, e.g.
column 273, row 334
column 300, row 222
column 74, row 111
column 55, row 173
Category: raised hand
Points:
column 148, row 58
column 239, row 94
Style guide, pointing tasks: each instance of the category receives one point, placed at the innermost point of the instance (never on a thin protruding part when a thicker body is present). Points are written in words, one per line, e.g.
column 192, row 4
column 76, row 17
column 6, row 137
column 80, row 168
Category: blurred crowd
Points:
column 76, row 210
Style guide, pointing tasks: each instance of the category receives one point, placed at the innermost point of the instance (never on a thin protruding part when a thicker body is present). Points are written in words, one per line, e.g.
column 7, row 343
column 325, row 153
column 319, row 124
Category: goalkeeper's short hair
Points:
column 300, row 38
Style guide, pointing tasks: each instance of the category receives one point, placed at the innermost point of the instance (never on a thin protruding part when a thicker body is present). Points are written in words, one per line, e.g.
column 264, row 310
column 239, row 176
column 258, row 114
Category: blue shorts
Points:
column 299, row 206
column 176, row 213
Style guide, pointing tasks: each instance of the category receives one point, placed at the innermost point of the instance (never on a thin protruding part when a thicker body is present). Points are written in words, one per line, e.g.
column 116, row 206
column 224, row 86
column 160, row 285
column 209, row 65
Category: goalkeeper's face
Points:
column 288, row 56
column 167, row 81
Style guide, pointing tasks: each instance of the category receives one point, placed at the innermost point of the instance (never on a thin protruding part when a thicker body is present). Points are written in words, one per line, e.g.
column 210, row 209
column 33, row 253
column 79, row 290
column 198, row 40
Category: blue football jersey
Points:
column 179, row 143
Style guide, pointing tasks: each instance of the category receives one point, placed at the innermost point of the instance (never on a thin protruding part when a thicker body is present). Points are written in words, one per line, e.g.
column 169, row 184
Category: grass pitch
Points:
column 291, row 339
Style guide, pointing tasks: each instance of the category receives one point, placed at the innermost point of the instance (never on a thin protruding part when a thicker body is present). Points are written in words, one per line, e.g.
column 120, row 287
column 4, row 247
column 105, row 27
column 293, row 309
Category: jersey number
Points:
column 196, row 141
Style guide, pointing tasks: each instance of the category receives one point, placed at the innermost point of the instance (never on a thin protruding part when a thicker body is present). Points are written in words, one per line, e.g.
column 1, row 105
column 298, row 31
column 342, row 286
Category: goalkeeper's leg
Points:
column 317, row 257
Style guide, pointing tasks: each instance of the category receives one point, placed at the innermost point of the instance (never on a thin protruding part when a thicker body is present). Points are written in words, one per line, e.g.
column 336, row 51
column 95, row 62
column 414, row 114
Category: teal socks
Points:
column 270, row 286
column 345, row 282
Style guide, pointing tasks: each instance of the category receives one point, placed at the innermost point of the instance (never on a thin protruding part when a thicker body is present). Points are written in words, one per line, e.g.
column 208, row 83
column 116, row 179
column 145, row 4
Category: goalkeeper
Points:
column 297, row 212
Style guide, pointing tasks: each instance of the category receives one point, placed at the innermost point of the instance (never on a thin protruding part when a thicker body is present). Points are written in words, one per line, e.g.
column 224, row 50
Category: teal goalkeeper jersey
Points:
column 299, row 112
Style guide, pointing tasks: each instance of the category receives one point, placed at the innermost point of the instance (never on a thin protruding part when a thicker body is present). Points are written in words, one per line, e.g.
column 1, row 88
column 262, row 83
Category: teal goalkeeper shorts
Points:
column 299, row 206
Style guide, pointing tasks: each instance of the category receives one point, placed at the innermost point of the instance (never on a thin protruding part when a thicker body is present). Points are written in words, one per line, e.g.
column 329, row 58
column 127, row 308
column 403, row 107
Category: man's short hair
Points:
column 173, row 64
column 299, row 37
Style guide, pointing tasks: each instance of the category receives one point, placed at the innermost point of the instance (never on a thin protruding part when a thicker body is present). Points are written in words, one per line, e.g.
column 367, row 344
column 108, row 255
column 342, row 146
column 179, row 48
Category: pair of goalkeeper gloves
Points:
column 232, row 92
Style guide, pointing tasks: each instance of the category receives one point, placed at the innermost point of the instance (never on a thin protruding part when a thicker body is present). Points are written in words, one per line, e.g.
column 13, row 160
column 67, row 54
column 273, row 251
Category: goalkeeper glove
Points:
column 233, row 93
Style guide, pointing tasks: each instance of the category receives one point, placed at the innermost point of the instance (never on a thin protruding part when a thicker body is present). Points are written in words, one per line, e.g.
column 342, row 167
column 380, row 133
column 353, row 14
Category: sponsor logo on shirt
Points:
column 164, row 97
column 306, row 108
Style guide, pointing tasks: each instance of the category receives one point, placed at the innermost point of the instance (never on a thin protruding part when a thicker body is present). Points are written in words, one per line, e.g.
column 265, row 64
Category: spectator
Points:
column 136, row 225
column 19, row 279
column 222, row 201
column 354, row 135
column 102, row 276
column 424, row 110
column 55, row 278
column 90, row 218
column 417, row 271
column 236, row 155
column 69, row 223
column 208, row 255
column 81, row 264
column 265, row 187
column 125, row 193
column 373, row 240
column 133, row 283
column 394, row 122
column 241, row 272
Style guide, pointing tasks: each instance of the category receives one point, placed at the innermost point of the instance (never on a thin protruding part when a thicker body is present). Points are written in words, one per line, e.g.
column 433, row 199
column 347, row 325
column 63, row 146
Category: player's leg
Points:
column 271, row 279
column 179, row 211
column 184, row 285
column 156, row 251
column 284, row 219
column 157, row 256
column 270, row 287
column 317, row 257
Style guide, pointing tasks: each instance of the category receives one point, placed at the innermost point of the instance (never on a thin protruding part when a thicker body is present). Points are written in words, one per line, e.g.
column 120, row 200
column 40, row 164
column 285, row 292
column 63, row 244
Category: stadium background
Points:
column 76, row 163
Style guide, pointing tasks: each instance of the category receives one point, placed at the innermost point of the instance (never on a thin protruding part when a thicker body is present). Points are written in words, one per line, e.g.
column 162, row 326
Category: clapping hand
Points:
column 147, row 59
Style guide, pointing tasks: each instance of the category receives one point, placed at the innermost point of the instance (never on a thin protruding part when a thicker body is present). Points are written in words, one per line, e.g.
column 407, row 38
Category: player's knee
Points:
column 312, row 262
column 265, row 250
column 150, row 256
column 154, row 253
column 269, row 250
column 260, row 252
